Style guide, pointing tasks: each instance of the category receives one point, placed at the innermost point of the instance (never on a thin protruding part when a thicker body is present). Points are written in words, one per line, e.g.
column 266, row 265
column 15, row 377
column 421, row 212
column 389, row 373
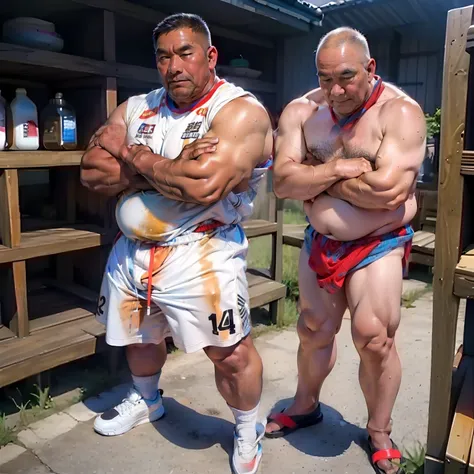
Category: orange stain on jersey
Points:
column 211, row 286
column 132, row 311
column 151, row 228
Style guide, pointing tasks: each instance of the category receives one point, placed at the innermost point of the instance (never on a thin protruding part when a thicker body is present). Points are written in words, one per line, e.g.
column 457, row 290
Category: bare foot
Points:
column 293, row 409
column 382, row 441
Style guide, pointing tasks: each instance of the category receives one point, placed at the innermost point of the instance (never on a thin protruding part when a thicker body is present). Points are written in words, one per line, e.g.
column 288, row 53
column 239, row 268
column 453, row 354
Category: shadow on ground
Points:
column 189, row 429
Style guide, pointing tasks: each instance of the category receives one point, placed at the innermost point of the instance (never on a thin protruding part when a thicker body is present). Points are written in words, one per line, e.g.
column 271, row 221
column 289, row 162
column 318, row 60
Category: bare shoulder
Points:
column 399, row 104
column 316, row 96
column 298, row 111
column 242, row 112
column 117, row 117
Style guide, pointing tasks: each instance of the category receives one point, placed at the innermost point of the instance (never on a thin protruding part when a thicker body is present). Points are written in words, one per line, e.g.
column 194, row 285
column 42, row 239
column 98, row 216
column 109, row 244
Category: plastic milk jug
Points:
column 3, row 119
column 25, row 122
column 58, row 124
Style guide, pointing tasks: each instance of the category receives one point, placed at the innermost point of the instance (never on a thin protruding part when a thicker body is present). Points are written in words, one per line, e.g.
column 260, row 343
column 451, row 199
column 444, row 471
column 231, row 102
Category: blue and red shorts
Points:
column 333, row 260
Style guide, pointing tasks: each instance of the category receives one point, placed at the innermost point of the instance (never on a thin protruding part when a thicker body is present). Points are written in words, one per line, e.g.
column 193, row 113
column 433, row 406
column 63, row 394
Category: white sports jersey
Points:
column 152, row 120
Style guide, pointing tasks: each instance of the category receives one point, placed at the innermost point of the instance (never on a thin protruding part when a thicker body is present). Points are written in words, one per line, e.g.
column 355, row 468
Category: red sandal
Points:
column 377, row 455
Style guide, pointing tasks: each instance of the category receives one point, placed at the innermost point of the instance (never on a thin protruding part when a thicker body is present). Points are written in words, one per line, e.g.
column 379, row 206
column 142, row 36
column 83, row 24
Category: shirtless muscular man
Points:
column 185, row 161
column 364, row 142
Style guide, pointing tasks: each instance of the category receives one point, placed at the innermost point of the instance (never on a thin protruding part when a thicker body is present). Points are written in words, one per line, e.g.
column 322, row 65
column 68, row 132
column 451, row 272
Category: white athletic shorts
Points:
column 199, row 293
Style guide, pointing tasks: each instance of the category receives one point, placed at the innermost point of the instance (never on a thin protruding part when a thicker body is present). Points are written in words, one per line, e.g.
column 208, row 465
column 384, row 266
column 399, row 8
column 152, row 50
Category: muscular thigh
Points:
column 319, row 310
column 373, row 295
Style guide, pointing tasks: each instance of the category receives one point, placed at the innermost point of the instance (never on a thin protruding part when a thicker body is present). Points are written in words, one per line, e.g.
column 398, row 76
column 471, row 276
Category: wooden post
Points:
column 448, row 231
column 10, row 225
column 11, row 237
column 277, row 308
column 20, row 324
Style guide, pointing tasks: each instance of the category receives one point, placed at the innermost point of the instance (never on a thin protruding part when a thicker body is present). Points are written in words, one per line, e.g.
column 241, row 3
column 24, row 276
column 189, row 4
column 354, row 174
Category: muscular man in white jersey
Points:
column 186, row 161
column 366, row 141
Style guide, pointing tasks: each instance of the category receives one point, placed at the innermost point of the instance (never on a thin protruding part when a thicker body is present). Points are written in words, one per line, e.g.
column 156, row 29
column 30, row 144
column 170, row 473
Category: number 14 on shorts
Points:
column 225, row 324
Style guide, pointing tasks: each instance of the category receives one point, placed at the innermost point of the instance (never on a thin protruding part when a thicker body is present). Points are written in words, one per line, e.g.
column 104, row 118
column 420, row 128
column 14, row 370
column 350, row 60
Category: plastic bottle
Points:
column 25, row 122
column 3, row 118
column 58, row 124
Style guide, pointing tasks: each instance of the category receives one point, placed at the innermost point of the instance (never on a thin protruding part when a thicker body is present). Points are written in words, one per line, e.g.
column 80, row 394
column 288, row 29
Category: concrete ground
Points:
column 196, row 435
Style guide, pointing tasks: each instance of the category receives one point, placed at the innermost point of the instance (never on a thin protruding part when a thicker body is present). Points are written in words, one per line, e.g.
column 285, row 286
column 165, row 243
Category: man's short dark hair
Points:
column 181, row 20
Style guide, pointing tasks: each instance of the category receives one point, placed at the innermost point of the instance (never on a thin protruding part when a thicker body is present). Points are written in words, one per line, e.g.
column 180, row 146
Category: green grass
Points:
column 409, row 297
column 7, row 433
column 415, row 460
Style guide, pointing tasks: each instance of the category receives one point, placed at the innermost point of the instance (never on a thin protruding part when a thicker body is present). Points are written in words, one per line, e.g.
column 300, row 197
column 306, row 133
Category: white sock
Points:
column 147, row 386
column 246, row 423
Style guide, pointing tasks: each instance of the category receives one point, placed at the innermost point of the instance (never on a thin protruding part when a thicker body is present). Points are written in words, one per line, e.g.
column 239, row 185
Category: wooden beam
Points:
column 152, row 16
column 19, row 323
column 67, row 62
column 39, row 159
column 462, row 430
column 55, row 241
column 10, row 212
column 37, row 57
column 448, row 232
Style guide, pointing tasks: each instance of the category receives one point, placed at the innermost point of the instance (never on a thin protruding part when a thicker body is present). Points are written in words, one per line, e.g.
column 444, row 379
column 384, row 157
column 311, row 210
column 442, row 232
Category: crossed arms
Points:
column 387, row 187
column 204, row 172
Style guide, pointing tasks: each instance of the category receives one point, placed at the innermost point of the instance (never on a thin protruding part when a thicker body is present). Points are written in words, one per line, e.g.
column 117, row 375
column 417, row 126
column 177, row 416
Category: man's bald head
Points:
column 346, row 71
column 345, row 36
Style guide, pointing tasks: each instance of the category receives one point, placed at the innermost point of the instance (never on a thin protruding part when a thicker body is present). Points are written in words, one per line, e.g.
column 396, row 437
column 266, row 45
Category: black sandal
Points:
column 291, row 423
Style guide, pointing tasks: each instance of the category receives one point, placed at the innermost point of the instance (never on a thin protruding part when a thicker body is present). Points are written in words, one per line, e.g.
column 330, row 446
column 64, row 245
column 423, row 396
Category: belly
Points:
column 150, row 216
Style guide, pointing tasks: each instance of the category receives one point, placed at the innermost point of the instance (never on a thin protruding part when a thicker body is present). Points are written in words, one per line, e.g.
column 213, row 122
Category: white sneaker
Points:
column 247, row 456
column 133, row 411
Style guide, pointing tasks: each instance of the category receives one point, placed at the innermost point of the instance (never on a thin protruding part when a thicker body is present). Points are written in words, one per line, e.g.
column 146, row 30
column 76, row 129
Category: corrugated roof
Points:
column 367, row 15
column 304, row 7
column 334, row 4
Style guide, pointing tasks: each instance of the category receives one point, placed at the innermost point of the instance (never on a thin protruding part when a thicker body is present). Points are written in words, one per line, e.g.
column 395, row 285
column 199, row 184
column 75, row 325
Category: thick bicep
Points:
column 290, row 144
column 117, row 117
column 247, row 142
column 402, row 150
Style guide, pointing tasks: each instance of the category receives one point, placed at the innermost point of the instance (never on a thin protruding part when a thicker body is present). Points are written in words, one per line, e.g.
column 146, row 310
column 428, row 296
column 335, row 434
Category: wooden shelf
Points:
column 424, row 242
column 293, row 234
column 259, row 227
column 62, row 328
column 39, row 159
column 47, row 348
column 54, row 241
column 263, row 290
column 464, row 275
column 51, row 304
column 5, row 333
column 44, row 65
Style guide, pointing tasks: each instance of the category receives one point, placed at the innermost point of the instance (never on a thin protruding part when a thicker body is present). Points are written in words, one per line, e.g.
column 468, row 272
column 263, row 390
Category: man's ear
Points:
column 212, row 57
column 371, row 67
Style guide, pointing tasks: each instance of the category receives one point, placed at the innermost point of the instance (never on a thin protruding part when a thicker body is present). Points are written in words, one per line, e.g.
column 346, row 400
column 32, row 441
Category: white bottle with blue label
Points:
column 58, row 124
